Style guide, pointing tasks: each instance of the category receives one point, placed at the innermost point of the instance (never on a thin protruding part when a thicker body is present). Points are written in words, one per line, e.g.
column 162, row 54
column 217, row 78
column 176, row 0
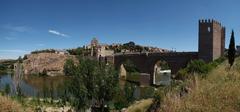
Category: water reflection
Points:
column 54, row 86
column 33, row 85
column 139, row 91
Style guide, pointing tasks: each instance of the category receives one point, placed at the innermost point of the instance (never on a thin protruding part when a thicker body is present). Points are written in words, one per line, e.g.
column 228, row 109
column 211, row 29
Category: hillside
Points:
column 218, row 92
column 51, row 63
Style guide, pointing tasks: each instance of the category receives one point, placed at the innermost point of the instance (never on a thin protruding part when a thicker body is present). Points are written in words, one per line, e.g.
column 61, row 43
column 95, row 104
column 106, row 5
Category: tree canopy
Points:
column 93, row 85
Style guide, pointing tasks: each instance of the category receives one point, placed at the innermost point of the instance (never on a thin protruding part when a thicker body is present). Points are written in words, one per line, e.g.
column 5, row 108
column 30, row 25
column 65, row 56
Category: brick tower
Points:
column 211, row 43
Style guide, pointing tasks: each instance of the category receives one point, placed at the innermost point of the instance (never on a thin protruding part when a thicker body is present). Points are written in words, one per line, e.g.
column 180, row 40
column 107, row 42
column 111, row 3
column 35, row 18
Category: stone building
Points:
column 99, row 50
column 94, row 42
column 211, row 43
column 102, row 51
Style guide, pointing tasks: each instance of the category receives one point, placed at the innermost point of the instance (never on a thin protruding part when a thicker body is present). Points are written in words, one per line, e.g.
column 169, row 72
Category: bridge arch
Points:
column 159, row 67
column 127, row 66
column 146, row 62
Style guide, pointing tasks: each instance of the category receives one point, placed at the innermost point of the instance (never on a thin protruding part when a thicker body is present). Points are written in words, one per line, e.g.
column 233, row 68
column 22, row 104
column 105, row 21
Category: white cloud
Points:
column 17, row 28
column 57, row 33
column 13, row 51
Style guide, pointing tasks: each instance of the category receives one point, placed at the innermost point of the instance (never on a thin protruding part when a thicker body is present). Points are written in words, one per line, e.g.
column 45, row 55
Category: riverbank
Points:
column 140, row 106
column 30, row 104
column 7, row 104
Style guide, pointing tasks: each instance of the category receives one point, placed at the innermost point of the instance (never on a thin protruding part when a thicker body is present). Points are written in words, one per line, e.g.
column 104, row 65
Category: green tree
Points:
column 93, row 84
column 129, row 92
column 69, row 67
column 79, row 51
column 231, row 50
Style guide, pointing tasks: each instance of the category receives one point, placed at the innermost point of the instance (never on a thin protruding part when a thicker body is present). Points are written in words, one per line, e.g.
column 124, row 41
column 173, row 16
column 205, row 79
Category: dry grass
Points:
column 8, row 105
column 219, row 92
column 140, row 106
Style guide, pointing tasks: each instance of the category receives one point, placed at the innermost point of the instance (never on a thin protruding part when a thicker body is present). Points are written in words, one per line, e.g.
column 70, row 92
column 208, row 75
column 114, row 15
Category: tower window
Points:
column 209, row 29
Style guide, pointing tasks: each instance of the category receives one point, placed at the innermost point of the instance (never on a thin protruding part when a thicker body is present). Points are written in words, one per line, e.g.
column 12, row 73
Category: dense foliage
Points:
column 44, row 51
column 80, row 51
column 93, row 85
column 199, row 67
column 125, row 97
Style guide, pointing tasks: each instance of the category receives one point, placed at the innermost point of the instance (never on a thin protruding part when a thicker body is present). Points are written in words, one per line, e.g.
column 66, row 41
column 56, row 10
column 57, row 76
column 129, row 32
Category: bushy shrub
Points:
column 182, row 74
column 199, row 67
column 218, row 61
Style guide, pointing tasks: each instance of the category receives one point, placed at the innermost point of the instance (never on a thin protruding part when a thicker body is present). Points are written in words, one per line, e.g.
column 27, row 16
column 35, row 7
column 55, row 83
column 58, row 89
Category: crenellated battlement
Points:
column 209, row 21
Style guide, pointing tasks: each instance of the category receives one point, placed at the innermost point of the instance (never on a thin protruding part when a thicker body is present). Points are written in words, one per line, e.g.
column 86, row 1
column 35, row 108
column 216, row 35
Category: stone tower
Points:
column 211, row 43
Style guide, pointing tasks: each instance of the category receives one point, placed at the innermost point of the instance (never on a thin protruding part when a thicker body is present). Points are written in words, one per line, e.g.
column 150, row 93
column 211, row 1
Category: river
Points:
column 45, row 86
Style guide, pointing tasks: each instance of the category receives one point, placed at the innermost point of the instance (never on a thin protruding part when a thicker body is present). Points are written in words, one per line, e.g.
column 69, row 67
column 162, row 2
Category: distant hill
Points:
column 51, row 63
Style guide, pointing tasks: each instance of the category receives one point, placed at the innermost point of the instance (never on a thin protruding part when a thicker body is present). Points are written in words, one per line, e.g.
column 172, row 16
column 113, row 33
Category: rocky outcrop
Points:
column 50, row 63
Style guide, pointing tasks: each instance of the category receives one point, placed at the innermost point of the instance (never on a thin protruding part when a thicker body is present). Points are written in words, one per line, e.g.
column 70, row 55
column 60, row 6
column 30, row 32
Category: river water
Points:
column 35, row 86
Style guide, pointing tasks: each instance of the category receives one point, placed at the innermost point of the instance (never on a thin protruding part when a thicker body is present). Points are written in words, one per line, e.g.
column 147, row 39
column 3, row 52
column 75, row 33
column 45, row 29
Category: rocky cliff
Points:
column 49, row 63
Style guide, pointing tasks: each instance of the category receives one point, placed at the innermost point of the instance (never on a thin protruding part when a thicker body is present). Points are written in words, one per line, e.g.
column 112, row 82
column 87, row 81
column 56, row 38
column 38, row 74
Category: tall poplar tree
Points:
column 231, row 50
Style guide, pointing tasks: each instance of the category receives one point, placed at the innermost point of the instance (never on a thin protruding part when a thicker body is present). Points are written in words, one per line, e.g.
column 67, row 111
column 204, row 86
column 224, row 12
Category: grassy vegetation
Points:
column 140, row 106
column 31, row 104
column 217, row 92
column 7, row 104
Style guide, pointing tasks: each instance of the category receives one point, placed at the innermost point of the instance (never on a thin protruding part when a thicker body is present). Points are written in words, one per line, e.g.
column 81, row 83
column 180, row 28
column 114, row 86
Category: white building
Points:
column 62, row 52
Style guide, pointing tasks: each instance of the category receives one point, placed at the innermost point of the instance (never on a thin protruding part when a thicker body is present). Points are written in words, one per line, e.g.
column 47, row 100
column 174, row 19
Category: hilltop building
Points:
column 99, row 49
column 62, row 52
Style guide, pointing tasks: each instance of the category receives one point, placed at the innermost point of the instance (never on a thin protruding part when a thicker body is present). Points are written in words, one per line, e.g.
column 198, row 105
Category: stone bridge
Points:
column 211, row 45
column 145, row 62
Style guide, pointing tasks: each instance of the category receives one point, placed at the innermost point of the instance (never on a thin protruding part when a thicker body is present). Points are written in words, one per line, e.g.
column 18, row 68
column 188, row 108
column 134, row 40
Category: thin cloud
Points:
column 17, row 28
column 10, row 38
column 57, row 33
column 40, row 45
column 13, row 51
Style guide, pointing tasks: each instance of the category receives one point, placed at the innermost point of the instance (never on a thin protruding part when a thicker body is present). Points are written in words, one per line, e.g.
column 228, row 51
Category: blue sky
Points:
column 27, row 25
